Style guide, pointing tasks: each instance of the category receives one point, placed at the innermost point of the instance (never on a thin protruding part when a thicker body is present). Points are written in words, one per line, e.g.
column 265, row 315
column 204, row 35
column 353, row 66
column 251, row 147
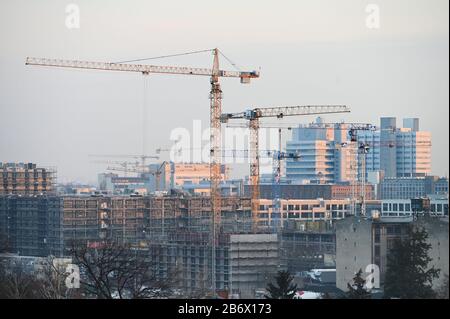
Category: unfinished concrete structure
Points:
column 301, row 209
column 180, row 238
column 306, row 245
column 31, row 225
column 26, row 179
column 254, row 262
column 92, row 219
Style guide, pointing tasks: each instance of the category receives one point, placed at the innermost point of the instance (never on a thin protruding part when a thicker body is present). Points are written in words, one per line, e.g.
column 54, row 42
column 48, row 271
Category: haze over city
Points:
column 308, row 52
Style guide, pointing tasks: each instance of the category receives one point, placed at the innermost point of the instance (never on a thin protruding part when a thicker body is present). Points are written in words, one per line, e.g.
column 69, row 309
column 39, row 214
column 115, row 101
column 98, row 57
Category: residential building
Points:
column 32, row 225
column 95, row 218
column 26, row 178
column 303, row 210
column 312, row 191
column 412, row 187
column 362, row 243
column 406, row 207
column 193, row 173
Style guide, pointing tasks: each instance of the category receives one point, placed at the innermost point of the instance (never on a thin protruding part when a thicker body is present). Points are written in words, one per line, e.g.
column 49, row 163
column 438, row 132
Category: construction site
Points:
column 217, row 243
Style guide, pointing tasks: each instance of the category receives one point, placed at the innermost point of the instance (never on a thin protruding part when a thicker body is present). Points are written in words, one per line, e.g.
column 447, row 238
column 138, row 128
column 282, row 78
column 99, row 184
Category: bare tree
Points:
column 51, row 280
column 111, row 270
column 16, row 282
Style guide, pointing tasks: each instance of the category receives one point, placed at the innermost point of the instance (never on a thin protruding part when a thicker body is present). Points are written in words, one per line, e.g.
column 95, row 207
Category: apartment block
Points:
column 313, row 191
column 407, row 207
column 406, row 188
column 26, row 179
column 92, row 219
column 32, row 225
column 303, row 210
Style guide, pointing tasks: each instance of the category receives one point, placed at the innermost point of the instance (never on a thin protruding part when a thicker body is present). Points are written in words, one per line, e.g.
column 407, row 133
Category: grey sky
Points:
column 310, row 52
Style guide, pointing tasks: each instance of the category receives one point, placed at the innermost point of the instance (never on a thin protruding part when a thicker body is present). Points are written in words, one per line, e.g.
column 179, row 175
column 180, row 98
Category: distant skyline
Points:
column 309, row 52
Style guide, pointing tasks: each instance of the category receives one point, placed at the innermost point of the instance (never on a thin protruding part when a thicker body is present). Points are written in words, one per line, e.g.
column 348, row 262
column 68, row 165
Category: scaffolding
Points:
column 27, row 179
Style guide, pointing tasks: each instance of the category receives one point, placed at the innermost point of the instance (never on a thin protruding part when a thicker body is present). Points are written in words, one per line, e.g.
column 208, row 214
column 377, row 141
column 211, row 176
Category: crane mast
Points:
column 215, row 159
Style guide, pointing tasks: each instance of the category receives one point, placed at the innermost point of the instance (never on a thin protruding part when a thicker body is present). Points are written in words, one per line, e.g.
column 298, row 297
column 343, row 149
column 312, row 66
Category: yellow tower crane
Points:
column 215, row 108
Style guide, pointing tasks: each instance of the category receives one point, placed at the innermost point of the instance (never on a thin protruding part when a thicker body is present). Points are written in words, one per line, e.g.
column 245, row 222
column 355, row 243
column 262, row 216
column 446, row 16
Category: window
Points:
column 401, row 207
column 395, row 207
column 385, row 207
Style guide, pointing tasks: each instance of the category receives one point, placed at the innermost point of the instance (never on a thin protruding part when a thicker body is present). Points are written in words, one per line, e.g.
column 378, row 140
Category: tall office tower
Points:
column 346, row 163
column 323, row 158
column 372, row 138
column 388, row 147
column 413, row 152
column 411, row 123
column 399, row 152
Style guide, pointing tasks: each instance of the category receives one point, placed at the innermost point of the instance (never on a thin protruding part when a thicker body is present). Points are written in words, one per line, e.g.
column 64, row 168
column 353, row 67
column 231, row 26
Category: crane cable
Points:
column 165, row 56
column 182, row 54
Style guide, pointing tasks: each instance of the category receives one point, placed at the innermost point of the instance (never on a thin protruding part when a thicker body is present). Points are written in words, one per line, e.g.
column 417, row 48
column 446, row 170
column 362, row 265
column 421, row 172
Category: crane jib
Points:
column 142, row 68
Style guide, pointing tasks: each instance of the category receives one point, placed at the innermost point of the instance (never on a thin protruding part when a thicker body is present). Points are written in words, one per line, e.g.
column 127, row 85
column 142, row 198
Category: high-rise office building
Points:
column 413, row 152
column 324, row 159
column 399, row 152
column 328, row 157
column 388, row 149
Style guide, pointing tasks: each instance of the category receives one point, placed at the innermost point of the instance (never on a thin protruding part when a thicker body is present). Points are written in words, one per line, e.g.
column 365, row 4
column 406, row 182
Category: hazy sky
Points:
column 309, row 52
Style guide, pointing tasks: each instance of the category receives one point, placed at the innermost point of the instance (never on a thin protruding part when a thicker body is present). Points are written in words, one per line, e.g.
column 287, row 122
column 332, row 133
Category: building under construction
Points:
column 26, row 179
column 176, row 232
column 31, row 225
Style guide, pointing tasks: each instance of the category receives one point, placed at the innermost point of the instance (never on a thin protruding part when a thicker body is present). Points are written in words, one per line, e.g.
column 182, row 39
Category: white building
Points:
column 405, row 208
column 399, row 152
column 324, row 159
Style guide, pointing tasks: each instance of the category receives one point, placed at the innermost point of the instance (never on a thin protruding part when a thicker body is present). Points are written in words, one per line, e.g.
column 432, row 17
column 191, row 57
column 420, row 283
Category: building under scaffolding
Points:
column 26, row 179
column 175, row 230
column 31, row 225
column 93, row 219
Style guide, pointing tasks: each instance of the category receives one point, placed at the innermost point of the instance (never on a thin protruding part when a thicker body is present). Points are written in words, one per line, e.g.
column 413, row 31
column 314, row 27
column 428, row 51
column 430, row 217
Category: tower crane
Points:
column 253, row 116
column 125, row 165
column 144, row 170
column 142, row 157
column 215, row 97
